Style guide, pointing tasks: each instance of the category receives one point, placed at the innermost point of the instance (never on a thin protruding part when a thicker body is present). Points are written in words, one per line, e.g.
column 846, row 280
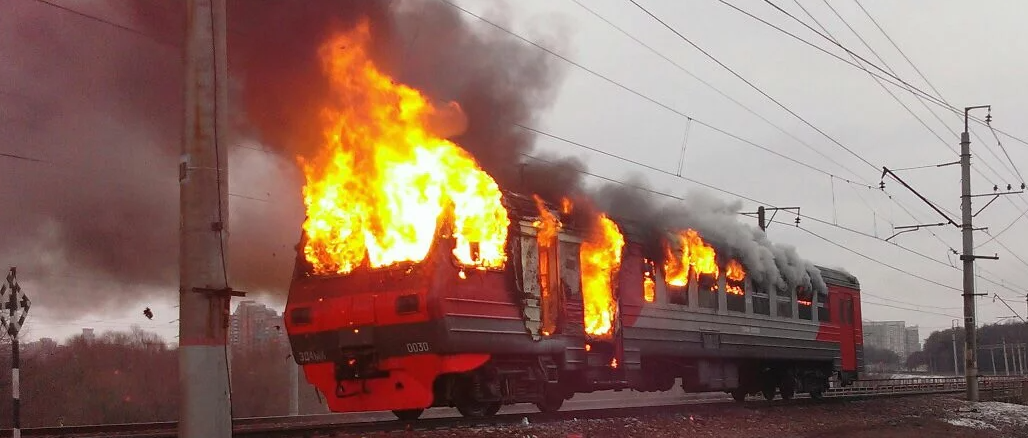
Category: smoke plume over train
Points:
column 94, row 220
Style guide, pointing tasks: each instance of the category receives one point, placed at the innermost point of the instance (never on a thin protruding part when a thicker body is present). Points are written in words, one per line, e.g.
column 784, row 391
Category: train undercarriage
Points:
column 540, row 381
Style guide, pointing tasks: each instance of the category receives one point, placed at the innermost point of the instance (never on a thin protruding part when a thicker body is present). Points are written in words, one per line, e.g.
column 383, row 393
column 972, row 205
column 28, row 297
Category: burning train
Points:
column 420, row 283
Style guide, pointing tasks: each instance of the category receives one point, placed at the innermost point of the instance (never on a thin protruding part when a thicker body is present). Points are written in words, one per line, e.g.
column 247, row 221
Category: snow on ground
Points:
column 918, row 376
column 990, row 415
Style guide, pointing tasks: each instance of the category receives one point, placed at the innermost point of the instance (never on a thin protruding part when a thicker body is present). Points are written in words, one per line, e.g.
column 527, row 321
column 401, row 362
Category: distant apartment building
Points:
column 253, row 324
column 892, row 335
column 913, row 341
column 88, row 334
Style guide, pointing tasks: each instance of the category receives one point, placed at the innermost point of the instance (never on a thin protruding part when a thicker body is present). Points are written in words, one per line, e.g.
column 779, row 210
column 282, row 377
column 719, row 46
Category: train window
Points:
column 783, row 303
column 706, row 290
column 678, row 294
column 847, row 311
column 805, row 300
column 735, row 300
column 761, row 301
column 784, row 308
column 823, row 310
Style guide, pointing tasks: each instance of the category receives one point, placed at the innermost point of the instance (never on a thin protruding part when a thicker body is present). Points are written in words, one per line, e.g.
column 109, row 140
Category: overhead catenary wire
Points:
column 712, row 87
column 680, row 35
column 752, row 85
column 827, row 34
column 884, row 75
column 110, row 23
column 719, row 189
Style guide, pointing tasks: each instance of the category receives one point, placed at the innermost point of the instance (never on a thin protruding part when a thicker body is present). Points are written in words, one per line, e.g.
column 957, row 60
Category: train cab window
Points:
column 824, row 313
column 805, row 300
column 783, row 303
column 761, row 301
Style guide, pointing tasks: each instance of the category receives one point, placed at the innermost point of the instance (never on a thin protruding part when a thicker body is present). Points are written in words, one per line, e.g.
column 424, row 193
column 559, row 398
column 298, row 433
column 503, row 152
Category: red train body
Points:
column 431, row 333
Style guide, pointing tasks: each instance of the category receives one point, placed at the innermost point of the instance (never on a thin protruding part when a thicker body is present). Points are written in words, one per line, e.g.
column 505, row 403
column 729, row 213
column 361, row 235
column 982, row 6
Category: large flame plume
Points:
column 698, row 257
column 387, row 183
column 600, row 261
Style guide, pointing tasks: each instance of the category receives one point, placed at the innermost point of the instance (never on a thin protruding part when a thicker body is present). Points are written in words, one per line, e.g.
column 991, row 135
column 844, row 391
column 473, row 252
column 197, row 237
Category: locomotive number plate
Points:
column 311, row 356
column 418, row 347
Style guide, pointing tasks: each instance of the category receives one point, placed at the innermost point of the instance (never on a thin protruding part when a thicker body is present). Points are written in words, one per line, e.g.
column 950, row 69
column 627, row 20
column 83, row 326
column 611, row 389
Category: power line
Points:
column 872, row 259
column 827, row 35
column 22, row 157
column 639, row 94
column 712, row 187
column 110, row 23
column 906, row 308
column 775, row 101
column 863, row 293
column 712, row 87
column 892, row 79
column 758, row 89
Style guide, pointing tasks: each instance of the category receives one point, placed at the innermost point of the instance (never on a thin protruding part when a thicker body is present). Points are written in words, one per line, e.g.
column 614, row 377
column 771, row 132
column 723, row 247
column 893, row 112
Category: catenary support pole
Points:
column 956, row 368
column 970, row 337
column 1006, row 361
column 205, row 404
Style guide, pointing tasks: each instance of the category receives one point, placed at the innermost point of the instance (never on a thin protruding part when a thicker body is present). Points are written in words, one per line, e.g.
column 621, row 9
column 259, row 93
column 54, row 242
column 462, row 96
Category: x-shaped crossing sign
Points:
column 14, row 304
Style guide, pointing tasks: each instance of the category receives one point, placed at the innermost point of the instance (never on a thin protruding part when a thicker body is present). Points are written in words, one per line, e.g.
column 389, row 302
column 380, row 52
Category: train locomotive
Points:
column 414, row 335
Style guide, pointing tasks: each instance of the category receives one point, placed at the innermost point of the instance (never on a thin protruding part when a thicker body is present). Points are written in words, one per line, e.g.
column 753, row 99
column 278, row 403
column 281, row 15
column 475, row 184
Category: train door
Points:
column 847, row 333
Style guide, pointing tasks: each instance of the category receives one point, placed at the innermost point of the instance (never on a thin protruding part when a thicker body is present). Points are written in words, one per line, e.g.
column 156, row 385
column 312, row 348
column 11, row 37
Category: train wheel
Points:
column 817, row 394
column 787, row 392
column 551, row 402
column 739, row 395
column 787, row 387
column 769, row 391
column 477, row 409
column 408, row 414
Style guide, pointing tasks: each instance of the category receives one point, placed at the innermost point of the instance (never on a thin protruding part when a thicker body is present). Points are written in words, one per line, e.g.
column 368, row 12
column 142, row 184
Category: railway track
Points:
column 311, row 425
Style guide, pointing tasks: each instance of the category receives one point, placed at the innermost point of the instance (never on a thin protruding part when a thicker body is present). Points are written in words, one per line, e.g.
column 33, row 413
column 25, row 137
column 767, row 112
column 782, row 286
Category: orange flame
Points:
column 548, row 226
column 734, row 275
column 601, row 259
column 649, row 285
column 695, row 254
column 386, row 184
column 565, row 206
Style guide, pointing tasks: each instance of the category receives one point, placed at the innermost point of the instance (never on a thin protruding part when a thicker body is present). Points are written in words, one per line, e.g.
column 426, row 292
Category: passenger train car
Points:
column 434, row 333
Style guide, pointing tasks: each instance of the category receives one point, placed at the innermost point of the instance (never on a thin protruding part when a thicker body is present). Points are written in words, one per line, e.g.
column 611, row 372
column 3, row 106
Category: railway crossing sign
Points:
column 14, row 304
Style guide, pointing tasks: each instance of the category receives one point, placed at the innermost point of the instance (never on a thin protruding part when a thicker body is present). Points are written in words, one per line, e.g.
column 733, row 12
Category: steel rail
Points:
column 306, row 425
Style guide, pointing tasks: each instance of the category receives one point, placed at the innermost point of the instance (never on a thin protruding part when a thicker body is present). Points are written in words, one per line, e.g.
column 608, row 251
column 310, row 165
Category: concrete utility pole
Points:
column 970, row 329
column 953, row 333
column 970, row 341
column 204, row 294
column 1006, row 361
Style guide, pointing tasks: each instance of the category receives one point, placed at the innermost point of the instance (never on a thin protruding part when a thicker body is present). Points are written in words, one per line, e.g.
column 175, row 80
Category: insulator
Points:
column 1008, row 187
column 995, row 188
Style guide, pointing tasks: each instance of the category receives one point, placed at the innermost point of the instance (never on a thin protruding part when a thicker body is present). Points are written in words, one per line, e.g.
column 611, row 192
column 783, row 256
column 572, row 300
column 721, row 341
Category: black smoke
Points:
column 96, row 224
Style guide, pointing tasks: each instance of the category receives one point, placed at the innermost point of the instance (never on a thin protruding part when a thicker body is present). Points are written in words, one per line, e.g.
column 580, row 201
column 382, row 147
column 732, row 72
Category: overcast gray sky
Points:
column 972, row 52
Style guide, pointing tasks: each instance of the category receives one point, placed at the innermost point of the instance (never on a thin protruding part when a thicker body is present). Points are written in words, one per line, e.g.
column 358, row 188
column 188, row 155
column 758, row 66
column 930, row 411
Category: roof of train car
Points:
column 839, row 277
